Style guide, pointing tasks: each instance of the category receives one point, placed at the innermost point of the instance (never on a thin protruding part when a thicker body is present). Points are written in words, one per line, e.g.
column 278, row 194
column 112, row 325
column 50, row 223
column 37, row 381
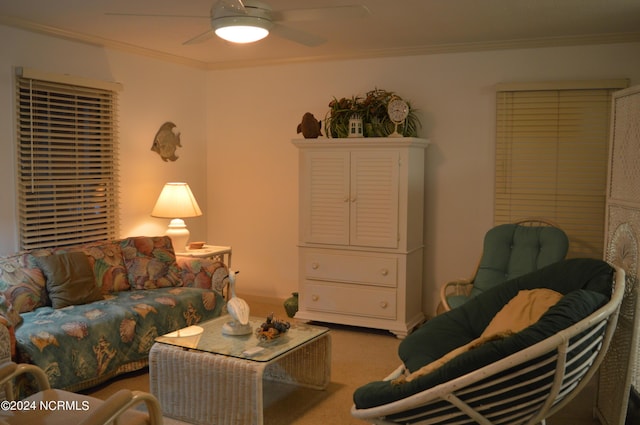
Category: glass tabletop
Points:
column 207, row 336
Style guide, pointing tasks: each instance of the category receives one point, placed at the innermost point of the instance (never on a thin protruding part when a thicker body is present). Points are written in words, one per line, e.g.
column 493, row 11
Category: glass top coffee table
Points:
column 201, row 376
column 208, row 336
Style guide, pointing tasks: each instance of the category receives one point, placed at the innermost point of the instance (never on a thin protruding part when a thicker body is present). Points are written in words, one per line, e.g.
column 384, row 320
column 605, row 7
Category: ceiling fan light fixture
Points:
column 241, row 29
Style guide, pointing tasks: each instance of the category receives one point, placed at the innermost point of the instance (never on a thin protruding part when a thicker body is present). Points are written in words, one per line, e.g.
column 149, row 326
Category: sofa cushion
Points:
column 106, row 260
column 70, row 279
column 150, row 262
column 22, row 282
column 108, row 266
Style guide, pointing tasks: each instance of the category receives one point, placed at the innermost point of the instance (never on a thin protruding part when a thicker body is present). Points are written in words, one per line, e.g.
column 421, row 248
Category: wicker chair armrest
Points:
column 456, row 287
column 10, row 370
column 119, row 403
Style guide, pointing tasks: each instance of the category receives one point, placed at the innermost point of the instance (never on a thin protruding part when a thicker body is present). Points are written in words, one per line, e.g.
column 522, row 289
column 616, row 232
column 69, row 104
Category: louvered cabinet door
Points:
column 324, row 197
column 350, row 197
column 374, row 198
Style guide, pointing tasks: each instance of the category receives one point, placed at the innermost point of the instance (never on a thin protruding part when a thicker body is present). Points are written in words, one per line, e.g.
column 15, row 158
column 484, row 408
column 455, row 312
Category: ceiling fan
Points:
column 246, row 21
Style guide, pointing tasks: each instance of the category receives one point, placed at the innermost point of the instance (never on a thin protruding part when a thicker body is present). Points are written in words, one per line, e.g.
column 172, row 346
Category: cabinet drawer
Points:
column 350, row 299
column 374, row 270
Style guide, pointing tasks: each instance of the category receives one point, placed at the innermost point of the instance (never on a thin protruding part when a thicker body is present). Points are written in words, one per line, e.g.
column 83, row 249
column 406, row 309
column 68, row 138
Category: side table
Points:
column 210, row 251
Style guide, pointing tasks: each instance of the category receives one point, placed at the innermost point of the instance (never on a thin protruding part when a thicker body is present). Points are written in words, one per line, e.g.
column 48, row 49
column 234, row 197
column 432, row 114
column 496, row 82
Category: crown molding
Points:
column 428, row 49
column 98, row 41
column 432, row 49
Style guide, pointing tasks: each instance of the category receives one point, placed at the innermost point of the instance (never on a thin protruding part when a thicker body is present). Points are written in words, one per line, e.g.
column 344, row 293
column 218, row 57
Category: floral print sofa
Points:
column 83, row 332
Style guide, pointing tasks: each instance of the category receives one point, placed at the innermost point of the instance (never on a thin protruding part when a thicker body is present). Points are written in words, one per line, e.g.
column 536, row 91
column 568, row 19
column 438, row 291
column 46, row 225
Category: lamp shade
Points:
column 176, row 201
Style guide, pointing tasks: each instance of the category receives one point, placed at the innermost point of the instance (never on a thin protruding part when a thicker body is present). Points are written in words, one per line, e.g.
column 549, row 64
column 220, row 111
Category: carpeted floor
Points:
column 358, row 356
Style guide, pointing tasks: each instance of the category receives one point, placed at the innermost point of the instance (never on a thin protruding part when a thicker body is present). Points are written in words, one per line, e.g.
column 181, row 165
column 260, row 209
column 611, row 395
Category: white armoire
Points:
column 361, row 217
column 620, row 370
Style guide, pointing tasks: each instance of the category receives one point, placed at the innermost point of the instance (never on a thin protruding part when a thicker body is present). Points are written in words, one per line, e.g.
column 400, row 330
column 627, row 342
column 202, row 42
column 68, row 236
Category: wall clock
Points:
column 398, row 111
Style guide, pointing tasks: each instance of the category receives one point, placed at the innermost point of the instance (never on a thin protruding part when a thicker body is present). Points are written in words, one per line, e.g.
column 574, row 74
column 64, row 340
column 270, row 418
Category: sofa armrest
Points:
column 204, row 273
column 9, row 319
column 7, row 344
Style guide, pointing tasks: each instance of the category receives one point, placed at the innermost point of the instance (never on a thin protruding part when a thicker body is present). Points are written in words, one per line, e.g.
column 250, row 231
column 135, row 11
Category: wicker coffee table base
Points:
column 205, row 388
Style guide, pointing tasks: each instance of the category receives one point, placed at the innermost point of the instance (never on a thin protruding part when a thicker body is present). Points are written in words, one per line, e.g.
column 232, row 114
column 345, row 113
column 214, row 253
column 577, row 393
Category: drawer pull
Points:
column 384, row 272
column 384, row 304
column 314, row 297
column 315, row 266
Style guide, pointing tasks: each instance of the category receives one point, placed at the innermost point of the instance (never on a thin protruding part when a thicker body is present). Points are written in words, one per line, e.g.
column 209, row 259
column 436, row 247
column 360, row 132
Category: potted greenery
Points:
column 373, row 110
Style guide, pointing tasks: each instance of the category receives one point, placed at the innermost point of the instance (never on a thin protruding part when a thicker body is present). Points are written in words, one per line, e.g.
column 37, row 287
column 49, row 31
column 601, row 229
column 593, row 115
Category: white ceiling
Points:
column 394, row 27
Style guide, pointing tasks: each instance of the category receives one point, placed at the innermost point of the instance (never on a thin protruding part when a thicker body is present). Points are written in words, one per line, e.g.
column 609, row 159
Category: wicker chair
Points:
column 509, row 250
column 58, row 407
column 520, row 386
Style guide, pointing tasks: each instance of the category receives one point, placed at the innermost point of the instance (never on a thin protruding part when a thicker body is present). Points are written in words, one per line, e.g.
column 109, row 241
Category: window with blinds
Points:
column 67, row 162
column 551, row 157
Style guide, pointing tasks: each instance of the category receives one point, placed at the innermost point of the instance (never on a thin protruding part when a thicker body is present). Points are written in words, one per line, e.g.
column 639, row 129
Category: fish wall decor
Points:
column 166, row 142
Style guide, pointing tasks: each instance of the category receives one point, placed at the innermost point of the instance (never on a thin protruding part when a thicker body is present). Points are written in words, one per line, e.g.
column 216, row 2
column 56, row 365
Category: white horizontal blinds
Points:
column 551, row 161
column 67, row 158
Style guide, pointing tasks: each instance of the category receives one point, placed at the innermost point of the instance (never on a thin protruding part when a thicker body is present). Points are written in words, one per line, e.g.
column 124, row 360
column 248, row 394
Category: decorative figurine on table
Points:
column 272, row 328
column 239, row 311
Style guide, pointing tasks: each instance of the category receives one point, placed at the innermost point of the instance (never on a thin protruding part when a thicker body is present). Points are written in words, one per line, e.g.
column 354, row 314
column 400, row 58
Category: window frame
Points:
column 539, row 172
column 67, row 184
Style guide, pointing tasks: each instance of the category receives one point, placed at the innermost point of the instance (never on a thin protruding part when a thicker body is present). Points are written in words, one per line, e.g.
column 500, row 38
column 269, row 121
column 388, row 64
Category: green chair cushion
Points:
column 512, row 250
column 457, row 300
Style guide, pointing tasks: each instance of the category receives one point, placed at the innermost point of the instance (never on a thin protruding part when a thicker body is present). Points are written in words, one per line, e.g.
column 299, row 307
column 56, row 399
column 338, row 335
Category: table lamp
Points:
column 176, row 201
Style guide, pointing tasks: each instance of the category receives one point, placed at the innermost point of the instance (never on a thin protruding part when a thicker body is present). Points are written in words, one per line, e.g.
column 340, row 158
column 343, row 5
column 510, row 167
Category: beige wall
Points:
column 236, row 131
column 253, row 115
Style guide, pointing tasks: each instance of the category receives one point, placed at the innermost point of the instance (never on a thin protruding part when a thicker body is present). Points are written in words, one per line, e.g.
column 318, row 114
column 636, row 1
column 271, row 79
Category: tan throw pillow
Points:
column 525, row 309
column 70, row 279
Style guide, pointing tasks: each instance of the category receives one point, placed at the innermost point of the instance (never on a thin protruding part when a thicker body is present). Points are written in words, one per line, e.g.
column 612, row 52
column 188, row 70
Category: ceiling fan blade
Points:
column 155, row 15
column 297, row 36
column 199, row 38
column 322, row 13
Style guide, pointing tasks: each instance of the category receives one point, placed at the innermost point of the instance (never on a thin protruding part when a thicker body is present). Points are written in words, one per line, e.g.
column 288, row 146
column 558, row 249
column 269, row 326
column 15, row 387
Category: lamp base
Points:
column 179, row 234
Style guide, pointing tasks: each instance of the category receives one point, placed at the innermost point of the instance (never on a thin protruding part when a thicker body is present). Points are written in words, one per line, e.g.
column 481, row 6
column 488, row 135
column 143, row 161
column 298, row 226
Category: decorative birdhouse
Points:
column 355, row 126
